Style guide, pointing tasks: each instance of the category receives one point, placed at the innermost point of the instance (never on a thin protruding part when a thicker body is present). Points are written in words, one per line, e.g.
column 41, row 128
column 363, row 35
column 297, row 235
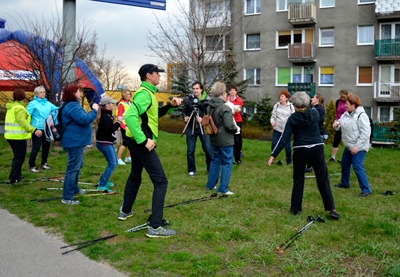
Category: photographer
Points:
column 197, row 104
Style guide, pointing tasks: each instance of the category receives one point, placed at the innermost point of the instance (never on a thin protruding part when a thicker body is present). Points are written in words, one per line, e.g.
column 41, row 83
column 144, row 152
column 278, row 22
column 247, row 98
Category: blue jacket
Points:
column 39, row 109
column 77, row 125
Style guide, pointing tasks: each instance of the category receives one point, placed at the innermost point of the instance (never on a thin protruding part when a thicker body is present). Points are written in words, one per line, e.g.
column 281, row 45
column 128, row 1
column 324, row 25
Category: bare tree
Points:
column 198, row 36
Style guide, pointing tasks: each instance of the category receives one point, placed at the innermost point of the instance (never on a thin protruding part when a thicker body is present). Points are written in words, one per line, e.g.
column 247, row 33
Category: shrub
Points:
column 329, row 119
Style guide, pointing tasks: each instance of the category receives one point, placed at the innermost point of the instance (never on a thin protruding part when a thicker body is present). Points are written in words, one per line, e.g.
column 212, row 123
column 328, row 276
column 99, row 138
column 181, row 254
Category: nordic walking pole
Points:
column 103, row 191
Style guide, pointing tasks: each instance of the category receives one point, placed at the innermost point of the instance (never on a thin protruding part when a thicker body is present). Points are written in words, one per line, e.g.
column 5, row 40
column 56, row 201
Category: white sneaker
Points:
column 121, row 162
column 128, row 160
column 229, row 193
column 34, row 170
column 192, row 174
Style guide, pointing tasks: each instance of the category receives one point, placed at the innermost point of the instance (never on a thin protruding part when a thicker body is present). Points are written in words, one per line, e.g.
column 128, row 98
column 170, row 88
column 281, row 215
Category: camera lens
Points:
column 195, row 100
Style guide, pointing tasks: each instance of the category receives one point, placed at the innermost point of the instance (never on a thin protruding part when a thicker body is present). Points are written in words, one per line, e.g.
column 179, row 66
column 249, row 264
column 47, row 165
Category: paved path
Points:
column 27, row 251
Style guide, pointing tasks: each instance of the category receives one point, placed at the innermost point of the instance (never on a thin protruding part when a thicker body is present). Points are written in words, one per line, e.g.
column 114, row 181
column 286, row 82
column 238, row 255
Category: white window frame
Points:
column 303, row 74
column 319, row 77
column 277, row 6
column 326, row 7
column 390, row 114
column 391, row 83
column 245, row 42
column 366, row 3
column 320, row 36
column 255, row 76
column 358, row 35
column 393, row 29
column 364, row 84
column 303, row 37
column 255, row 8
column 224, row 44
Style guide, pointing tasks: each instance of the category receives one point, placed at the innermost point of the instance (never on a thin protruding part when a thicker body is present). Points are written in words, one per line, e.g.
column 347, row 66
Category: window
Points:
column 327, row 37
column 326, row 76
column 284, row 38
column 281, row 5
column 368, row 111
column 327, row 3
column 217, row 43
column 252, row 42
column 389, row 80
column 366, row 1
column 253, row 75
column 389, row 31
column 384, row 114
column 364, row 75
column 253, row 7
column 365, row 35
column 218, row 9
column 285, row 75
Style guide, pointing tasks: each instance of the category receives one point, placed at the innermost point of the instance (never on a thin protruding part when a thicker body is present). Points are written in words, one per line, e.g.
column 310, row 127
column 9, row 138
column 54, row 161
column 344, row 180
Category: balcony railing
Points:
column 309, row 88
column 302, row 13
column 302, row 52
column 387, row 49
column 387, row 92
column 387, row 8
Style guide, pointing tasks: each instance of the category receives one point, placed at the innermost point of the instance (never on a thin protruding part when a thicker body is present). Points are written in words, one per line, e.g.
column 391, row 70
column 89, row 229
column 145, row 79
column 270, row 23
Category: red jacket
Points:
column 237, row 101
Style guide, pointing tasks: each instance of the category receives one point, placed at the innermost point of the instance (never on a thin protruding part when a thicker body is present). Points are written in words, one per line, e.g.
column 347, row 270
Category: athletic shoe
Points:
column 309, row 170
column 289, row 163
column 160, row 232
column 228, row 193
column 13, row 182
column 46, row 166
column 109, row 184
column 333, row 214
column 239, row 163
column 364, row 194
column 192, row 174
column 341, row 186
column 213, row 188
column 70, row 202
column 121, row 162
column 128, row 160
column 81, row 192
column 124, row 216
column 34, row 170
column 241, row 154
column 332, row 160
column 99, row 188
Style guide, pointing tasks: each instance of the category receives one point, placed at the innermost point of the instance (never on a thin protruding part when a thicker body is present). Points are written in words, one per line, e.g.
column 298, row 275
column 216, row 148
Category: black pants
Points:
column 19, row 149
column 142, row 158
column 315, row 157
column 336, row 139
column 36, row 143
column 237, row 147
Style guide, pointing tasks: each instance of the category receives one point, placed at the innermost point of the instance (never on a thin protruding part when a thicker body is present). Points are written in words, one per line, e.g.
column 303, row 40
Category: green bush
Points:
column 329, row 119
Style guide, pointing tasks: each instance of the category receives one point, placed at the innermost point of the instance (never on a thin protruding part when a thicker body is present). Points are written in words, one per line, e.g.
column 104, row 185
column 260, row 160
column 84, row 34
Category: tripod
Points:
column 194, row 116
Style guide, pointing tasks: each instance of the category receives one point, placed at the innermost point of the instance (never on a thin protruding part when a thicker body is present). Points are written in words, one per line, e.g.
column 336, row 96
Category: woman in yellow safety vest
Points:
column 17, row 130
column 123, row 106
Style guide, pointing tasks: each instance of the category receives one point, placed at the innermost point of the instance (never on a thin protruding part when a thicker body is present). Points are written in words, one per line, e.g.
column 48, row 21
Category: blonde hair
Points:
column 124, row 92
column 218, row 89
column 321, row 99
column 39, row 89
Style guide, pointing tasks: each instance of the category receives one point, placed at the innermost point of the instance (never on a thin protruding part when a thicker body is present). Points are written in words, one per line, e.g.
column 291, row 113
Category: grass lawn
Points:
column 234, row 236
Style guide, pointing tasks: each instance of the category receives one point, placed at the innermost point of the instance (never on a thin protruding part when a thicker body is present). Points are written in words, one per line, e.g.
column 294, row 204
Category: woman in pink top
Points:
column 340, row 109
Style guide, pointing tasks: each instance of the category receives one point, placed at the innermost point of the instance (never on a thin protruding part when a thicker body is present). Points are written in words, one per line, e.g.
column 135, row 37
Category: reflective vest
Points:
column 126, row 107
column 12, row 129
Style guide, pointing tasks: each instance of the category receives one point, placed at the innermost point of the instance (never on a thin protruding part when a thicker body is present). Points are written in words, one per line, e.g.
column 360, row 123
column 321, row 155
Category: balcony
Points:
column 387, row 9
column 302, row 52
column 308, row 88
column 387, row 49
column 387, row 92
column 302, row 13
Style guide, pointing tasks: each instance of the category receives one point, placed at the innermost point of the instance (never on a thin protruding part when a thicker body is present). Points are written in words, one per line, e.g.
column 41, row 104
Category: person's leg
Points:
column 191, row 149
column 36, row 143
column 240, row 142
column 236, row 146
column 120, row 151
column 227, row 160
column 109, row 153
column 45, row 149
column 288, row 153
column 346, row 166
column 19, row 149
column 317, row 161
column 358, row 166
column 206, row 144
column 75, row 161
column 335, row 145
column 215, row 167
column 300, row 158
column 275, row 137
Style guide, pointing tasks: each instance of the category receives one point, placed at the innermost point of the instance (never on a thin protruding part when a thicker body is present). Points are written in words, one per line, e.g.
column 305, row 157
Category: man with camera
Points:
column 194, row 108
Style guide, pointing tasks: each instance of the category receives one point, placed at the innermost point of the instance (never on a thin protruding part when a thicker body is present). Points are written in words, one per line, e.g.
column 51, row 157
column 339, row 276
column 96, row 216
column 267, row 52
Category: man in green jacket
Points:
column 142, row 133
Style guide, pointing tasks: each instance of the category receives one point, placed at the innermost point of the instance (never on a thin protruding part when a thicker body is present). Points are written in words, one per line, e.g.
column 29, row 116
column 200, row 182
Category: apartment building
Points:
column 319, row 46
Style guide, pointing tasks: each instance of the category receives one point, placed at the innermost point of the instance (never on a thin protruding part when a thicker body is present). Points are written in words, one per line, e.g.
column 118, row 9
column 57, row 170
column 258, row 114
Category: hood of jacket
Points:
column 11, row 104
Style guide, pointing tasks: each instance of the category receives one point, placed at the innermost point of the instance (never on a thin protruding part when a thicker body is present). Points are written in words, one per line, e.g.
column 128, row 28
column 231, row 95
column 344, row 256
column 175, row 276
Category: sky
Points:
column 124, row 29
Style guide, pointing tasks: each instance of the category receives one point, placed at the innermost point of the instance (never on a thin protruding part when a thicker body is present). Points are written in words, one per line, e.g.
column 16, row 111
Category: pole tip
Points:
column 280, row 252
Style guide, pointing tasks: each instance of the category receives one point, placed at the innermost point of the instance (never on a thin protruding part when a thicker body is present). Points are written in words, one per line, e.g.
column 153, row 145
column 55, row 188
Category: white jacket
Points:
column 355, row 129
column 280, row 115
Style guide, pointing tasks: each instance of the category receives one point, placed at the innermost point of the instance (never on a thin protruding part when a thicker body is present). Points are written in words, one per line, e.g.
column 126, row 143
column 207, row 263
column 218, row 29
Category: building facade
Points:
column 320, row 46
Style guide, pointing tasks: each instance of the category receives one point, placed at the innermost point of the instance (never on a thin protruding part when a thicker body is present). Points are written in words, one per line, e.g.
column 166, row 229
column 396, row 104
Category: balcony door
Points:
column 389, row 80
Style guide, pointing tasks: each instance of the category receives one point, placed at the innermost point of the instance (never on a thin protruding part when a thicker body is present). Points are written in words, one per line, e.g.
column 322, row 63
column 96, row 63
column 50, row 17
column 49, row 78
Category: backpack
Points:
column 53, row 128
column 371, row 123
column 209, row 125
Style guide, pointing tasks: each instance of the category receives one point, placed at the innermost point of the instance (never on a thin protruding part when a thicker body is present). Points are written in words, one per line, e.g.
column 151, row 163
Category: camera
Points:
column 195, row 103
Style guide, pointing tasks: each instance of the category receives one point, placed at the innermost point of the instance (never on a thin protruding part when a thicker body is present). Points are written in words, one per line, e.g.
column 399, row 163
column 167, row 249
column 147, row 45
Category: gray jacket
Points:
column 223, row 118
column 280, row 115
column 356, row 129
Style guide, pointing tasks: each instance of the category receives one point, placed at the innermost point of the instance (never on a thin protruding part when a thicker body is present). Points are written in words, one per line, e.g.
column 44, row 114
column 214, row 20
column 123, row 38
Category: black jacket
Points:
column 107, row 127
column 321, row 121
column 304, row 127
column 188, row 108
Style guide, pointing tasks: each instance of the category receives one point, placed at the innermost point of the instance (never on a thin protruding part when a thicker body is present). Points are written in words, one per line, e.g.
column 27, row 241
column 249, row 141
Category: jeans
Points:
column 142, row 158
column 19, row 149
column 237, row 147
column 275, row 138
column 357, row 160
column 222, row 156
column 191, row 148
column 112, row 160
column 36, row 143
column 75, row 162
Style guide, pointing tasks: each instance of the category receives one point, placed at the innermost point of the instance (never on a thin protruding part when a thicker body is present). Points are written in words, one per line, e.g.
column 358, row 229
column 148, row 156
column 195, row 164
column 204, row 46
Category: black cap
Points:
column 149, row 68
